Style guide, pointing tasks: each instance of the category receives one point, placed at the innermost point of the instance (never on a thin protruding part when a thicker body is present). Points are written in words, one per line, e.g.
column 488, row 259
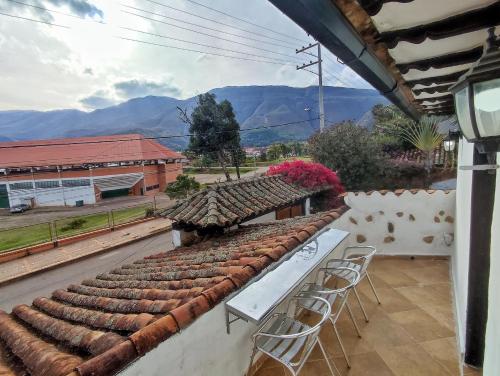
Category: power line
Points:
column 205, row 45
column 207, row 28
column 207, row 19
column 203, row 27
column 245, row 21
column 33, row 20
column 198, row 51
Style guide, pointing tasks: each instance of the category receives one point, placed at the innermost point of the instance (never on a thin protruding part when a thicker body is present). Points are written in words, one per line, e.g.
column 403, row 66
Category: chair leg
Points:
column 353, row 319
column 341, row 345
column 328, row 361
column 361, row 304
column 254, row 351
column 373, row 287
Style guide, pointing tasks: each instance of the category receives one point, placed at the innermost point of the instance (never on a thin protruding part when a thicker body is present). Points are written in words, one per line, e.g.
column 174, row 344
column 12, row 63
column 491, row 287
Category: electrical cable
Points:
column 204, row 45
column 200, row 32
column 206, row 19
column 243, row 20
column 33, row 20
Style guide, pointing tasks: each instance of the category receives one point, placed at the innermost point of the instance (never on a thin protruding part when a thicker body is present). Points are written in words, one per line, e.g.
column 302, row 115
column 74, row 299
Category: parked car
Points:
column 20, row 208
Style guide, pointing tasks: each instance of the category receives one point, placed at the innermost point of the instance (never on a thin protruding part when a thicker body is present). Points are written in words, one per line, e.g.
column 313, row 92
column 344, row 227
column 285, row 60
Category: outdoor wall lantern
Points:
column 477, row 99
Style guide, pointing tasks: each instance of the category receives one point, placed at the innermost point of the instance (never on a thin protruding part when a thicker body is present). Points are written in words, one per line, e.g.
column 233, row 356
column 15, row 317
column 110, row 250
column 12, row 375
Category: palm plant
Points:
column 425, row 136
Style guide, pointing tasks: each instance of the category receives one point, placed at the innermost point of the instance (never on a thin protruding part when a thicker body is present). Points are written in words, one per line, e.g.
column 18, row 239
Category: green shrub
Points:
column 182, row 187
column 150, row 212
column 353, row 153
column 75, row 224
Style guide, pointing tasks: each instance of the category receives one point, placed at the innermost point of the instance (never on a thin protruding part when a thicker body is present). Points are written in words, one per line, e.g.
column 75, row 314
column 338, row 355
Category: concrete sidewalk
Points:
column 20, row 268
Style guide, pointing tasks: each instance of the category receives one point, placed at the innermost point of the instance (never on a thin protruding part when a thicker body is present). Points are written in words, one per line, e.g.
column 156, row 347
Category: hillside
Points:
column 255, row 106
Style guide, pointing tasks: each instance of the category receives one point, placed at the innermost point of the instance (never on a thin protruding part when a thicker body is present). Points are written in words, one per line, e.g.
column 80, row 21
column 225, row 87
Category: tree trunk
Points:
column 223, row 165
column 237, row 165
column 428, row 162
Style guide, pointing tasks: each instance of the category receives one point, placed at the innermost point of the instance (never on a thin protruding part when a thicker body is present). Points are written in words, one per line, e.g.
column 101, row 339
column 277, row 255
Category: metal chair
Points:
column 357, row 258
column 336, row 298
column 290, row 341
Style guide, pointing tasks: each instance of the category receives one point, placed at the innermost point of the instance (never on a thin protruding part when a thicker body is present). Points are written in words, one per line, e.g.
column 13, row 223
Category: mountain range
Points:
column 254, row 106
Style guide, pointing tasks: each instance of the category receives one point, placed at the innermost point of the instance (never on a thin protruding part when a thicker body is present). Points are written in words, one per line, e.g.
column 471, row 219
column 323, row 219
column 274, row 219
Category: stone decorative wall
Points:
column 413, row 222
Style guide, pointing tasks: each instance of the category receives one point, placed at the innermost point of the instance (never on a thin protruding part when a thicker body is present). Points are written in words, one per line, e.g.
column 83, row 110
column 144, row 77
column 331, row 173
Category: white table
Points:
column 258, row 300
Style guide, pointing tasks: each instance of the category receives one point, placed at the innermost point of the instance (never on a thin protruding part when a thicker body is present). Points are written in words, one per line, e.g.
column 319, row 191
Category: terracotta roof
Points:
column 101, row 325
column 226, row 204
column 76, row 151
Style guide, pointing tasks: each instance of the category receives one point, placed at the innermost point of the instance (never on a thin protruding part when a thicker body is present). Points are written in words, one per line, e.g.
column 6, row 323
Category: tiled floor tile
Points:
column 391, row 300
column 429, row 275
column 382, row 331
column 445, row 352
column 395, row 277
column 469, row 371
column 435, row 294
column 411, row 360
column 442, row 313
column 421, row 325
column 315, row 368
column 368, row 364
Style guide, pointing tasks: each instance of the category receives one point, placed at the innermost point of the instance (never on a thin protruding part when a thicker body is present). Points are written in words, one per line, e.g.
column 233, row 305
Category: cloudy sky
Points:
column 82, row 61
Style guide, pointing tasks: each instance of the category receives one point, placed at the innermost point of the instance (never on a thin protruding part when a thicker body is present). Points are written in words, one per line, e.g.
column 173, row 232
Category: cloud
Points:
column 141, row 88
column 100, row 99
column 88, row 71
column 80, row 8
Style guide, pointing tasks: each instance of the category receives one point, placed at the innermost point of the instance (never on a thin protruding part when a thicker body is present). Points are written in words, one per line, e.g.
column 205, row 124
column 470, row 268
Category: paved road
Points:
column 24, row 291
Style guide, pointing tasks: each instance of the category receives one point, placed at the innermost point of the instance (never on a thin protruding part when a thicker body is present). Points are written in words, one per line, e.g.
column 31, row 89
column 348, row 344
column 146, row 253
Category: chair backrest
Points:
column 362, row 255
column 351, row 278
column 308, row 337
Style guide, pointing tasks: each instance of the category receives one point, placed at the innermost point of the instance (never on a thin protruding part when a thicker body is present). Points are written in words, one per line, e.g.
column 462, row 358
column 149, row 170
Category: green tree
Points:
column 182, row 187
column 274, row 152
column 352, row 152
column 214, row 130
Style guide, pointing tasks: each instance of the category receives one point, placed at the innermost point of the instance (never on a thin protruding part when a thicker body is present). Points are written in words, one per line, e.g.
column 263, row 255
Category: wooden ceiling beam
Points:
column 473, row 20
column 442, row 98
column 444, row 61
column 451, row 78
column 372, row 7
column 433, row 90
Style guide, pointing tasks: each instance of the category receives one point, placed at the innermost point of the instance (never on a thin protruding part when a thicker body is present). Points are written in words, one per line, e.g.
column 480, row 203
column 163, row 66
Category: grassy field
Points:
column 24, row 236
column 20, row 237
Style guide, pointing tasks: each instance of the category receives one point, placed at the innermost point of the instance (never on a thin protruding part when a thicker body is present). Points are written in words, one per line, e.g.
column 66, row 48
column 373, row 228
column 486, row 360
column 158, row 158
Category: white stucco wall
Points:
column 269, row 217
column 204, row 348
column 53, row 196
column 460, row 257
column 408, row 224
column 492, row 348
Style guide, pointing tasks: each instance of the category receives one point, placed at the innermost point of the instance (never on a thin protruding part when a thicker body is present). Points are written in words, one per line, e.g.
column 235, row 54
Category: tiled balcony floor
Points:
column 411, row 333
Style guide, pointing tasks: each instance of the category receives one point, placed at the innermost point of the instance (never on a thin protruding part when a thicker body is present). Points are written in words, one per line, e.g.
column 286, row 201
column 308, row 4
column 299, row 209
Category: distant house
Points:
column 77, row 171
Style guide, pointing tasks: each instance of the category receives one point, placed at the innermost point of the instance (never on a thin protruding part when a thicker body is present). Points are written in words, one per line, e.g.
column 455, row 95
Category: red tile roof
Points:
column 76, row 151
column 226, row 204
column 101, row 325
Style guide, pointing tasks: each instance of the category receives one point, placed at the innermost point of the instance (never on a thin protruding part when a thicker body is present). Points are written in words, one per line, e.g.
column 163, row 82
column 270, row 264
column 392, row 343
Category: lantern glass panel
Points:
column 487, row 107
column 463, row 113
column 449, row 145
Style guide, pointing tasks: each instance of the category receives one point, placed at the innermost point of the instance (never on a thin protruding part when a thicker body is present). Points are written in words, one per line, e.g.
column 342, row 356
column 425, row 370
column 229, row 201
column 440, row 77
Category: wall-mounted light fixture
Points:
column 477, row 99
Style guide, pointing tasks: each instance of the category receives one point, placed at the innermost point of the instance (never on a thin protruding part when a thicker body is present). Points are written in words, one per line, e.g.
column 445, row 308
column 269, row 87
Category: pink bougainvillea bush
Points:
column 310, row 175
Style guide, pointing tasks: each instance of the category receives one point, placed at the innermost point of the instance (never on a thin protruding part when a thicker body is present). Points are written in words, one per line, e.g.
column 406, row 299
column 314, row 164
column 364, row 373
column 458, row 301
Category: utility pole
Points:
column 320, row 77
